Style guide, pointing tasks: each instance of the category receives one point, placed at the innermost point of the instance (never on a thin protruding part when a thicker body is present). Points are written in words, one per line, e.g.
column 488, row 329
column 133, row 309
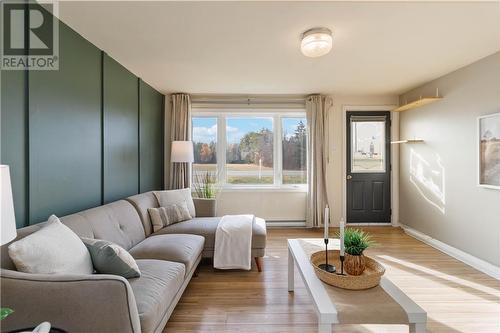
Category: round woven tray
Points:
column 369, row 279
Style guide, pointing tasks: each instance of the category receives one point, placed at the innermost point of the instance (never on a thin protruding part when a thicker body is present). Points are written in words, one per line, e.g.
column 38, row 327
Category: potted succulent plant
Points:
column 355, row 242
column 206, row 190
column 4, row 312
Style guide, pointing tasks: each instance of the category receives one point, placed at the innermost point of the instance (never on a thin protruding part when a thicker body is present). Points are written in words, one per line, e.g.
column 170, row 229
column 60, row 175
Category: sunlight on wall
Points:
column 429, row 179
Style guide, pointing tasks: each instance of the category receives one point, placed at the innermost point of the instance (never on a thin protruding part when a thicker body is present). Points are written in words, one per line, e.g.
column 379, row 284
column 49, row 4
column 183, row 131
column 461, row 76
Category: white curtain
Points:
column 317, row 109
column 180, row 130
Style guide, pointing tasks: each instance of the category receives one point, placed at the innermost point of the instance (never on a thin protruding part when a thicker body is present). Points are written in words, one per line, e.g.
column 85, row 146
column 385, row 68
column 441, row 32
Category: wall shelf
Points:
column 407, row 141
column 421, row 102
column 418, row 103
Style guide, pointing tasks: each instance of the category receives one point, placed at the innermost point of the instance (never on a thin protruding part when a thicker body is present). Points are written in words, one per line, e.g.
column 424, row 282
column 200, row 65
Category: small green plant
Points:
column 205, row 185
column 4, row 312
column 356, row 241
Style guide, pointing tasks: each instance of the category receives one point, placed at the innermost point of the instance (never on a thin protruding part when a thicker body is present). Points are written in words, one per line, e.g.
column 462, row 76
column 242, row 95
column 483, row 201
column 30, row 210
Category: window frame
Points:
column 276, row 115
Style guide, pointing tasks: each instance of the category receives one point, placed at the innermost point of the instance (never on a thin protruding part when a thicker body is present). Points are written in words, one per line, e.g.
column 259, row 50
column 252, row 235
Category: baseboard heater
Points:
column 286, row 223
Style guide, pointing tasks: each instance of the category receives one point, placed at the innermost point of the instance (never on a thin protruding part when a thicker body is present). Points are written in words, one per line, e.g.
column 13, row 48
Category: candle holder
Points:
column 326, row 267
column 342, row 258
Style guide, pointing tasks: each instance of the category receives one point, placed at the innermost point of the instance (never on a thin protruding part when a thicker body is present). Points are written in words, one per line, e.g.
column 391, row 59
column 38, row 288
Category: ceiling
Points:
column 253, row 47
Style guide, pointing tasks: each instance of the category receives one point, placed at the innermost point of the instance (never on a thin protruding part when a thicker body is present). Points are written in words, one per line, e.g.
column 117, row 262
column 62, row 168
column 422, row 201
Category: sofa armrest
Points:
column 205, row 207
column 74, row 303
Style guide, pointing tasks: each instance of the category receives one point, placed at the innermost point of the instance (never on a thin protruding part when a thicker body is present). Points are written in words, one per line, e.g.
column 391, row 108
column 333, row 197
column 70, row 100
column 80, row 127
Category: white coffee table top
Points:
column 323, row 300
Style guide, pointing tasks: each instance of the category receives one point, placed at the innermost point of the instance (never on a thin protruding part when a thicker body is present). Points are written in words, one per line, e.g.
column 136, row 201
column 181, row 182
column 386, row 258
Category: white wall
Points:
column 335, row 171
column 272, row 205
column 284, row 205
column 454, row 210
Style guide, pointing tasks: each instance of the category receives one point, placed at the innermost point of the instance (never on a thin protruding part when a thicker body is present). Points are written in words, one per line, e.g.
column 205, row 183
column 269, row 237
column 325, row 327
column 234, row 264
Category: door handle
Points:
column 349, row 177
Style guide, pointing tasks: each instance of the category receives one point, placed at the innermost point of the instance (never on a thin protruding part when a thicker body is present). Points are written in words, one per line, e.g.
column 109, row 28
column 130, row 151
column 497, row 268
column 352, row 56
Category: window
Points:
column 368, row 145
column 249, row 150
column 261, row 150
column 294, row 141
column 204, row 136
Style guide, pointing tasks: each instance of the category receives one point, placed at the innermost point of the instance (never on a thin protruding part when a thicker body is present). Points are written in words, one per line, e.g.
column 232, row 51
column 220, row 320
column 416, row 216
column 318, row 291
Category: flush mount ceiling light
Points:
column 316, row 42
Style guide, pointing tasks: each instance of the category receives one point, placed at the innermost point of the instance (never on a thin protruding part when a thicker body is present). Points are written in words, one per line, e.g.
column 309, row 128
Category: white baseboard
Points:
column 479, row 264
column 369, row 224
column 296, row 224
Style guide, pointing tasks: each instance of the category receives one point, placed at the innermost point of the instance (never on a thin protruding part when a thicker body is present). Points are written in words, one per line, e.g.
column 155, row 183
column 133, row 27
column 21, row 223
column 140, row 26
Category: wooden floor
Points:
column 457, row 298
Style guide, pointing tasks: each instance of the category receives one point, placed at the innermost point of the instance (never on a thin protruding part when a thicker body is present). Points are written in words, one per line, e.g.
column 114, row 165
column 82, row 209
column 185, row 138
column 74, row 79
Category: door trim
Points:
column 394, row 157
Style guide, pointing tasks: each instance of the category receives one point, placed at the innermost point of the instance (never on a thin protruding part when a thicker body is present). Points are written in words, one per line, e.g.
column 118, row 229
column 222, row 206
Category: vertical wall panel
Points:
column 14, row 137
column 151, row 139
column 72, row 137
column 65, row 131
column 121, row 131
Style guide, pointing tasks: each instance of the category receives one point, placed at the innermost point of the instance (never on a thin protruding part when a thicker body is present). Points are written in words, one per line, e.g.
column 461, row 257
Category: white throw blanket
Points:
column 233, row 242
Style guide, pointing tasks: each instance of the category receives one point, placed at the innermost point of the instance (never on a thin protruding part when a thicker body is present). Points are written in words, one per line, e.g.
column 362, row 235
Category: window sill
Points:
column 250, row 188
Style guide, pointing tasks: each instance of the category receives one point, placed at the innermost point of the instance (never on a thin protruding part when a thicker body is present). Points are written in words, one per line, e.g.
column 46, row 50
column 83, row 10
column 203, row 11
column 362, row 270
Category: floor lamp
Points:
column 182, row 152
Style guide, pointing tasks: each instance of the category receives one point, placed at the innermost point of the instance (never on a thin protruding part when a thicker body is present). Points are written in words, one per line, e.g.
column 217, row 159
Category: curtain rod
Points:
column 248, row 99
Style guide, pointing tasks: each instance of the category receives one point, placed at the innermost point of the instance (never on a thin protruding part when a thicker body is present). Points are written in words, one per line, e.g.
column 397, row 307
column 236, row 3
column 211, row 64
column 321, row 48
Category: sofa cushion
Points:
column 117, row 222
column 109, row 258
column 6, row 261
column 166, row 198
column 155, row 290
column 54, row 249
column 78, row 224
column 142, row 202
column 180, row 248
column 206, row 227
column 164, row 216
column 75, row 222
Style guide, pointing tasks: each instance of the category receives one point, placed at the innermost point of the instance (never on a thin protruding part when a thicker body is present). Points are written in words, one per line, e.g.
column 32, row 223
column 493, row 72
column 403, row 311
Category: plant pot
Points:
column 205, row 207
column 354, row 265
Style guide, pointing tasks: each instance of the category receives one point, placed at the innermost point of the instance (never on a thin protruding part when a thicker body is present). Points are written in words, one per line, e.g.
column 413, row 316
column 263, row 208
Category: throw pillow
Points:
column 54, row 249
column 171, row 197
column 110, row 258
column 164, row 216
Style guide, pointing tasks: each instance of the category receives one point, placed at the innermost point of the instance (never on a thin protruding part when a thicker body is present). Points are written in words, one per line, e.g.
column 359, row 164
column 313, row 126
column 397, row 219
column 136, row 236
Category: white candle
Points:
column 327, row 218
column 342, row 225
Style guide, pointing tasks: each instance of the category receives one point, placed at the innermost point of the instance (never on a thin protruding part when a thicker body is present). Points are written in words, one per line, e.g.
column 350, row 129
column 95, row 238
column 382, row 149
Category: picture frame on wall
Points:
column 489, row 151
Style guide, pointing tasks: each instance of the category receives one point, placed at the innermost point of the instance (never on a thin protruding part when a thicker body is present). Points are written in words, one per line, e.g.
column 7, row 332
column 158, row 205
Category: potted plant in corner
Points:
column 355, row 242
column 205, row 191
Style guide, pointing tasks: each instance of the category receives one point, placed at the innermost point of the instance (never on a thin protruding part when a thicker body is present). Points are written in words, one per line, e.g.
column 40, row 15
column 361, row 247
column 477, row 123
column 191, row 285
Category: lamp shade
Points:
column 182, row 151
column 8, row 220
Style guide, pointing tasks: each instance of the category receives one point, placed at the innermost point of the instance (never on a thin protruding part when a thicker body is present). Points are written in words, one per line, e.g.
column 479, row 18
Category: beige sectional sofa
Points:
column 108, row 303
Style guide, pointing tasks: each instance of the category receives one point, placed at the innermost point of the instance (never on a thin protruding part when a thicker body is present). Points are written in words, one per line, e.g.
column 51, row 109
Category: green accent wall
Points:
column 65, row 130
column 150, row 133
column 121, row 131
column 86, row 134
column 14, row 112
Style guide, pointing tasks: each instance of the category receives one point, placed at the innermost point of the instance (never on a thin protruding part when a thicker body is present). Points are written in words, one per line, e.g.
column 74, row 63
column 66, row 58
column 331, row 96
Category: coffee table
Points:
column 325, row 297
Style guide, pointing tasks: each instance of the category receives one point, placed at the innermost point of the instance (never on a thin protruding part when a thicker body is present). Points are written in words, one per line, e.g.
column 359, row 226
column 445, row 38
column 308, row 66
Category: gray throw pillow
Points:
column 170, row 214
column 171, row 197
column 110, row 258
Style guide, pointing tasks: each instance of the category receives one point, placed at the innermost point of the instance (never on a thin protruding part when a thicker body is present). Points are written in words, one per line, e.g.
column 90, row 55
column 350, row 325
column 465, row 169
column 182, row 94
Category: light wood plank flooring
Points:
column 457, row 298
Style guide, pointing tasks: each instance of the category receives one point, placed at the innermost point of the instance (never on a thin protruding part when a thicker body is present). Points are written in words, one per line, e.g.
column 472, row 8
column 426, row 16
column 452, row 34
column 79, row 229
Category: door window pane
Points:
column 294, row 143
column 204, row 133
column 249, row 150
column 367, row 146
